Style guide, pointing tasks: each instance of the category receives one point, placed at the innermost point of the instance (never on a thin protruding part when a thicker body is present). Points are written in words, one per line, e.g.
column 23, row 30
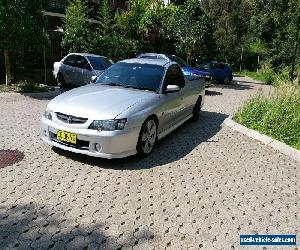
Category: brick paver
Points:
column 202, row 187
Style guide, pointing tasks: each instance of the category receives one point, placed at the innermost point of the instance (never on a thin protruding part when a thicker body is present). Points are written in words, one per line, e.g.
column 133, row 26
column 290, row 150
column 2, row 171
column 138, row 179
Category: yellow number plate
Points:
column 66, row 136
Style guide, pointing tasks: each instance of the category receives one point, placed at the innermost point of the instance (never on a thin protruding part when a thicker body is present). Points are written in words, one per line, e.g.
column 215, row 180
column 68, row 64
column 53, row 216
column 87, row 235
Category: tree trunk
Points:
column 296, row 44
column 7, row 67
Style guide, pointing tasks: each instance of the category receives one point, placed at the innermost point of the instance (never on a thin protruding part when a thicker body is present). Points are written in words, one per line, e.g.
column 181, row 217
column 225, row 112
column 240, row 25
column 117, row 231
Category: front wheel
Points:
column 60, row 80
column 147, row 138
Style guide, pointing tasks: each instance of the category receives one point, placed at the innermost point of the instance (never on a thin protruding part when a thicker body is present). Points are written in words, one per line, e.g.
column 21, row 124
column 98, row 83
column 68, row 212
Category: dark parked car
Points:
column 220, row 72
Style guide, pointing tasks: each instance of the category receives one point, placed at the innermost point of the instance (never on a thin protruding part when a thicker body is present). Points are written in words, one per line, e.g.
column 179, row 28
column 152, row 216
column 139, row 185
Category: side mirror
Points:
column 94, row 79
column 172, row 88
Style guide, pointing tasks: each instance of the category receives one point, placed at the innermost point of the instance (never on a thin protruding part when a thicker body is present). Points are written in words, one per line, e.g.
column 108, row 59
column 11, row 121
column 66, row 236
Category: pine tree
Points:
column 105, row 19
column 77, row 33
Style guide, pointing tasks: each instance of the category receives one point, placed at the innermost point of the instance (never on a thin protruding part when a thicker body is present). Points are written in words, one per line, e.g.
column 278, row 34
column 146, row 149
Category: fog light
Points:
column 97, row 147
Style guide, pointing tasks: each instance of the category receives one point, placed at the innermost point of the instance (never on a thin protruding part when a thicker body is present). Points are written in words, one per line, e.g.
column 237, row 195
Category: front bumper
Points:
column 114, row 144
column 54, row 73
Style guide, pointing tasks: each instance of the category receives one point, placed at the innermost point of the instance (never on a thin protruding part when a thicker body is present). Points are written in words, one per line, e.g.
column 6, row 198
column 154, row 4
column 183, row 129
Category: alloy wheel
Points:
column 148, row 136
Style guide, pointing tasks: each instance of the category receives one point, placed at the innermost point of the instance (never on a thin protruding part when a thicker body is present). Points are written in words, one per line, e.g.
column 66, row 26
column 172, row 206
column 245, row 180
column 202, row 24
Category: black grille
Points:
column 70, row 119
column 84, row 145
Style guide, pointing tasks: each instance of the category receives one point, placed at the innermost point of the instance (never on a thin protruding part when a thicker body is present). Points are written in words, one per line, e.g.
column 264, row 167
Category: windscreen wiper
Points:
column 137, row 87
column 114, row 84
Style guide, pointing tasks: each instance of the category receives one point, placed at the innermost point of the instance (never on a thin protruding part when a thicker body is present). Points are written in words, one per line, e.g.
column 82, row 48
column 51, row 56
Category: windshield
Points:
column 99, row 63
column 133, row 75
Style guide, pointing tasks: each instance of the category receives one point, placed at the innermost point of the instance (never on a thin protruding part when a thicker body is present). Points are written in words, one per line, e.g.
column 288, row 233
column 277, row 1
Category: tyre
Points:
column 60, row 80
column 197, row 109
column 226, row 80
column 147, row 138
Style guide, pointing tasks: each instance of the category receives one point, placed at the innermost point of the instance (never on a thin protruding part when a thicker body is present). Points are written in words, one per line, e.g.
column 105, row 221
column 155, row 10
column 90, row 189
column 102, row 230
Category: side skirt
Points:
column 169, row 130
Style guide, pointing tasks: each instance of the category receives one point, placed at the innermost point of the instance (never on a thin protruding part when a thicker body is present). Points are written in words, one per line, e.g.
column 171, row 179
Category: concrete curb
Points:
column 277, row 145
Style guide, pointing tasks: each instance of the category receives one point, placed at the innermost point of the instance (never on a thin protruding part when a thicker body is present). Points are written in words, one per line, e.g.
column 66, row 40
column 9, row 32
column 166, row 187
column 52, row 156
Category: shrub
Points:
column 77, row 32
column 29, row 87
column 116, row 47
column 277, row 115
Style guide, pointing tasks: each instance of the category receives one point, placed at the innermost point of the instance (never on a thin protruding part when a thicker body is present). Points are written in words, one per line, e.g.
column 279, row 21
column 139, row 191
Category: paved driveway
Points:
column 202, row 187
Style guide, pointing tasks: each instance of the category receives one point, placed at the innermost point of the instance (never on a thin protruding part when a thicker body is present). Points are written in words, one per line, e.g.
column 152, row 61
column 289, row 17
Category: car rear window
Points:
column 179, row 60
column 99, row 63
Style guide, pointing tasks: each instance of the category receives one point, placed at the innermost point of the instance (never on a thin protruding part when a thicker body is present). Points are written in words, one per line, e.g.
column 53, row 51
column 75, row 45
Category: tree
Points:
column 116, row 47
column 105, row 18
column 153, row 25
column 128, row 22
column 77, row 32
column 231, row 20
column 107, row 41
column 192, row 31
column 21, row 28
column 275, row 24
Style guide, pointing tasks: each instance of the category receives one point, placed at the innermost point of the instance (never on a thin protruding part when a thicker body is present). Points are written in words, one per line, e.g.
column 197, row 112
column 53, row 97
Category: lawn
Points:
column 267, row 77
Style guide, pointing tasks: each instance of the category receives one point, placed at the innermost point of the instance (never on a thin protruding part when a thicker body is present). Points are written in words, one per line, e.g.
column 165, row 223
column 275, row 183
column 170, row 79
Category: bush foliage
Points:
column 77, row 33
column 243, row 33
column 277, row 115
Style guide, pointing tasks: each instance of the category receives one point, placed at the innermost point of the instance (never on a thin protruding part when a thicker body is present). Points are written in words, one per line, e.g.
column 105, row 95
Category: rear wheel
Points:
column 147, row 138
column 226, row 80
column 197, row 109
column 60, row 80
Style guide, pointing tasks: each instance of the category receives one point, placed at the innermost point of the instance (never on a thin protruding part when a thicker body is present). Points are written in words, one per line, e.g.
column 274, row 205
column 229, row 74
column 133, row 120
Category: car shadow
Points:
column 235, row 85
column 52, row 92
column 212, row 93
column 170, row 149
column 36, row 226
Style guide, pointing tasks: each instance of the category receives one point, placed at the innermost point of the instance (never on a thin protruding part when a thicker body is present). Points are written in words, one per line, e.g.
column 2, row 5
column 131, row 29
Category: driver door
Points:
column 87, row 71
column 171, row 106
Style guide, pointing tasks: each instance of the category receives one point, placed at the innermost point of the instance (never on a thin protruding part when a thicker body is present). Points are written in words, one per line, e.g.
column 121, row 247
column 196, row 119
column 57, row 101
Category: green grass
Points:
column 23, row 87
column 277, row 116
column 267, row 77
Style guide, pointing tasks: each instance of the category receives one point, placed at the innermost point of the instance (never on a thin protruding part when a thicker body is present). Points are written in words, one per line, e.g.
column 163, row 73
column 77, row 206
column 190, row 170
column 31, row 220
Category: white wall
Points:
column 166, row 2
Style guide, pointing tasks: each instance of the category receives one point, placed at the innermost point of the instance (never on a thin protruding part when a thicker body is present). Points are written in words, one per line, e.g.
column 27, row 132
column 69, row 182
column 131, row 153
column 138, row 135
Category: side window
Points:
column 213, row 66
column 174, row 76
column 180, row 81
column 220, row 66
column 178, row 60
column 105, row 63
column 70, row 60
column 207, row 66
column 82, row 63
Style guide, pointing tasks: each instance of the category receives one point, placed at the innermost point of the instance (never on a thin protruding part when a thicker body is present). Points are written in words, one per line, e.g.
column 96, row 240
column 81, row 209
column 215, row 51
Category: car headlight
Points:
column 48, row 114
column 108, row 125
